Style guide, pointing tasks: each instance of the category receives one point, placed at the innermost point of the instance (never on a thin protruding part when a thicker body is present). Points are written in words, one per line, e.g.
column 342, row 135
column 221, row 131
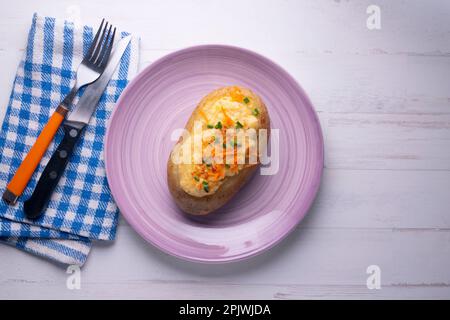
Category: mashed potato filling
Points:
column 234, row 111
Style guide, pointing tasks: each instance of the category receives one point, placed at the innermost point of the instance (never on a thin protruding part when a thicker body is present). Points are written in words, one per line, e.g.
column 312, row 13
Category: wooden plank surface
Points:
column 309, row 262
column 383, row 100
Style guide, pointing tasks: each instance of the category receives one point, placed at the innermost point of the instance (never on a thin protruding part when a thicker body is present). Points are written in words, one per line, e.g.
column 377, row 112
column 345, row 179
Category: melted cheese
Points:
column 202, row 179
column 237, row 111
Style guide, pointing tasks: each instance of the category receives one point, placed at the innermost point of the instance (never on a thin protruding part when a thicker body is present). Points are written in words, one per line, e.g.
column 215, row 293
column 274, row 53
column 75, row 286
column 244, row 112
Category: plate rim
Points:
column 136, row 227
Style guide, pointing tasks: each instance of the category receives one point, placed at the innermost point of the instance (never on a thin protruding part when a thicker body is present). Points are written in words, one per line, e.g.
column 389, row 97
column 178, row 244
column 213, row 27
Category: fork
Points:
column 90, row 69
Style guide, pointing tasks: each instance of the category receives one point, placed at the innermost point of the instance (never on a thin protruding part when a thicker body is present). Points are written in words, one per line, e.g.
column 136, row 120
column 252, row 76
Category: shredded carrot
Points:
column 216, row 172
column 227, row 120
column 236, row 94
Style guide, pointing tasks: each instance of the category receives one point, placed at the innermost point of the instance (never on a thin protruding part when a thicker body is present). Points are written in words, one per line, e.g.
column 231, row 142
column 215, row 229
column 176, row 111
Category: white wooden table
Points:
column 383, row 97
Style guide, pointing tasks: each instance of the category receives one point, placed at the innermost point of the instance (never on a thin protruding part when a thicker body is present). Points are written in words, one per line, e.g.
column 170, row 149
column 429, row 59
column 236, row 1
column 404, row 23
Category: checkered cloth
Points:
column 81, row 208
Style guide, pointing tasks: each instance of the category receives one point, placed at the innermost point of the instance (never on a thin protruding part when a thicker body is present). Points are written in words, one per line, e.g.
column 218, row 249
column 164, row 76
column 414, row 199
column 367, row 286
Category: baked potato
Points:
column 202, row 181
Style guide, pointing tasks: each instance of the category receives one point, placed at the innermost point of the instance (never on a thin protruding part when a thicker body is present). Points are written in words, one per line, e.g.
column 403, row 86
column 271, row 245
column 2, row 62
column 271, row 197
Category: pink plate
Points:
column 138, row 143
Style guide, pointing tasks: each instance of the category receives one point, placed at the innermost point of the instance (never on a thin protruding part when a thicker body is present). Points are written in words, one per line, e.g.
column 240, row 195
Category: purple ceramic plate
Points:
column 138, row 143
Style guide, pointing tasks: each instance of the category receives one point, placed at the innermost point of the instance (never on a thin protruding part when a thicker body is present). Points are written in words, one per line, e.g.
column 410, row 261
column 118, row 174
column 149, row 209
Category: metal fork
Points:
column 94, row 62
column 90, row 69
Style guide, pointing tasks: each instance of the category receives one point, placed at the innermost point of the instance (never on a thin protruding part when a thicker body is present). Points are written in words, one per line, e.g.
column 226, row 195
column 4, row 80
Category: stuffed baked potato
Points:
column 202, row 183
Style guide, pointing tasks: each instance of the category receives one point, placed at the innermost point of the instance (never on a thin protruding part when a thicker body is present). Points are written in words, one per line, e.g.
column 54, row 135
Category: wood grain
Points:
column 387, row 141
column 207, row 291
column 333, row 259
column 384, row 104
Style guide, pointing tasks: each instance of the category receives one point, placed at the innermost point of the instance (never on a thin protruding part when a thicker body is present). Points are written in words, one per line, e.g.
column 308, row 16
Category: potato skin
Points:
column 231, row 185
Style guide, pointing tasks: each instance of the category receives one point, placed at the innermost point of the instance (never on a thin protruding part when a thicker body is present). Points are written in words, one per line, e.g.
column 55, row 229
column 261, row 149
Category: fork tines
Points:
column 100, row 49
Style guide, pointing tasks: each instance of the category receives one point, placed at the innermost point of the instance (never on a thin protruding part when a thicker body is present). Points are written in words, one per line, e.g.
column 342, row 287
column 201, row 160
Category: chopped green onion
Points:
column 239, row 125
column 196, row 178
column 246, row 100
column 205, row 186
column 210, row 126
column 219, row 125
column 255, row 112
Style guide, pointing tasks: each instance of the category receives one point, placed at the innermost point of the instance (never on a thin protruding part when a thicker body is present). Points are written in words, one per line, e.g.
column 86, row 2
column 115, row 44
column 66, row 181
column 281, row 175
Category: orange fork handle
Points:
column 26, row 169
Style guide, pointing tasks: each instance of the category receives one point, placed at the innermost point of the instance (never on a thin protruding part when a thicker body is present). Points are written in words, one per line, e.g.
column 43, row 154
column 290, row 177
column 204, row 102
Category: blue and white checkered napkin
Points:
column 81, row 208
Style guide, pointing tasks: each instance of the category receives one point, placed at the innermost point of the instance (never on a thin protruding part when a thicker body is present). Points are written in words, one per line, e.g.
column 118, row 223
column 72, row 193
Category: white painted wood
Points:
column 207, row 291
column 408, row 27
column 381, row 83
column 387, row 141
column 324, row 259
column 374, row 199
column 384, row 104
